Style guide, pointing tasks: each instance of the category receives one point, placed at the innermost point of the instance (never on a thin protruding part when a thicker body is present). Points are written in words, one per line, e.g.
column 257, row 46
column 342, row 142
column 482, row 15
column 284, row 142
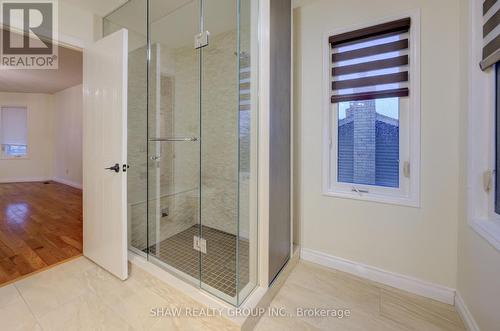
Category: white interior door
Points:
column 104, row 146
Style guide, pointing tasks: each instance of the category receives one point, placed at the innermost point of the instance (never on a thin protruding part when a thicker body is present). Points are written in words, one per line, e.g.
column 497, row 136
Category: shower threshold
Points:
column 218, row 265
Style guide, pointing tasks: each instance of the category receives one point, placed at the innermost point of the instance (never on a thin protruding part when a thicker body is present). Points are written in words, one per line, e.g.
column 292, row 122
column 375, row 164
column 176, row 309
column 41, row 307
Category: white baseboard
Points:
column 402, row 282
column 68, row 182
column 41, row 179
column 24, row 180
column 465, row 314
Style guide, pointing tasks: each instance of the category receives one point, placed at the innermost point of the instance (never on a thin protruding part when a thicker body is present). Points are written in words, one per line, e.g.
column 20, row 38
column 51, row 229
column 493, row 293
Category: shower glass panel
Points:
column 174, row 137
column 247, row 77
column 192, row 184
column 226, row 132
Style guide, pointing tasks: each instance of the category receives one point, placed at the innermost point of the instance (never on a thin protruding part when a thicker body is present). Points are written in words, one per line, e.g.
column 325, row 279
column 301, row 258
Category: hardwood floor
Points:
column 40, row 226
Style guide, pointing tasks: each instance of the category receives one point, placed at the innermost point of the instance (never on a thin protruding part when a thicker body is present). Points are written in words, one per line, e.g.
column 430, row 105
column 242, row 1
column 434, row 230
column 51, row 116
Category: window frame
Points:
column 481, row 109
column 408, row 193
column 3, row 155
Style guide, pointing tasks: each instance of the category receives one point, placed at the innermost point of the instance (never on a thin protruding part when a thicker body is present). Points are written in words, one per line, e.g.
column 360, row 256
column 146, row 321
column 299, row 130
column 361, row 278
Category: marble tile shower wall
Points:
column 177, row 172
column 220, row 133
column 177, row 194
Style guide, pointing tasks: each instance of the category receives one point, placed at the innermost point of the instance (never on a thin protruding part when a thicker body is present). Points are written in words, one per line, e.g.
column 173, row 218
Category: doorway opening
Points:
column 40, row 166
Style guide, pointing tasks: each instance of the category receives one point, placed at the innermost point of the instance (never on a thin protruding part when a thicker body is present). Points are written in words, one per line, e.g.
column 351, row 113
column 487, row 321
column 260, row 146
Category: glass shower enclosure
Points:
column 192, row 139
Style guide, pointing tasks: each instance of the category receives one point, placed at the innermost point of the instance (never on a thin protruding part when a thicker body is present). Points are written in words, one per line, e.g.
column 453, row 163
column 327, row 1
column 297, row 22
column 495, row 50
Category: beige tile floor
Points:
column 78, row 295
column 373, row 306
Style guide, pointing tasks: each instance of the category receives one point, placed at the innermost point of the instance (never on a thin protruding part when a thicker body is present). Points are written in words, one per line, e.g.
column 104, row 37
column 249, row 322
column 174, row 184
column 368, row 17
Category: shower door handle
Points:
column 174, row 139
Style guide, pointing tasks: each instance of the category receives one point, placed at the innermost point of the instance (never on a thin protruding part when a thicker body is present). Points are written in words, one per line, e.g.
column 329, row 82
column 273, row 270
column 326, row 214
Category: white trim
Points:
column 68, row 182
column 71, row 42
column 409, row 193
column 480, row 135
column 489, row 230
column 24, row 180
column 292, row 134
column 263, row 143
column 402, row 282
column 374, row 197
column 10, row 158
column 61, row 39
column 465, row 314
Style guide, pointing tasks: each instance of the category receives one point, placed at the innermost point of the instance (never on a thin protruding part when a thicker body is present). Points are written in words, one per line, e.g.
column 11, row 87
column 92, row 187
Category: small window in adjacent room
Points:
column 14, row 131
column 373, row 130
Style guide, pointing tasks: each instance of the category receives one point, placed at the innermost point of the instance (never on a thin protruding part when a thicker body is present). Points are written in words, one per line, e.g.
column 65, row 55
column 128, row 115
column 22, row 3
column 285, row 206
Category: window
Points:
column 373, row 113
column 368, row 142
column 483, row 120
column 14, row 131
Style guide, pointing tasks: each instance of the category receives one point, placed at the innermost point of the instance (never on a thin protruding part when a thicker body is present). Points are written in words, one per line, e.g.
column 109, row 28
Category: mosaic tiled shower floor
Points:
column 218, row 265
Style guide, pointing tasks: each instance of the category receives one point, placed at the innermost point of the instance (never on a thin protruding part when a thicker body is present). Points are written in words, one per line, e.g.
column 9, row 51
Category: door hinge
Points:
column 201, row 39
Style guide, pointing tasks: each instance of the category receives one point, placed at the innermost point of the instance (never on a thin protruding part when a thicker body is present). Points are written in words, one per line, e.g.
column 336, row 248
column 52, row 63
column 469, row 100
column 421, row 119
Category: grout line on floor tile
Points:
column 29, row 307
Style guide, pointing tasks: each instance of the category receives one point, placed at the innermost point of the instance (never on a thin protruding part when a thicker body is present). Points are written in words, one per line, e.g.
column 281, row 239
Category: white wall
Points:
column 419, row 242
column 38, row 164
column 54, row 137
column 479, row 277
column 68, row 136
column 77, row 26
column 478, row 261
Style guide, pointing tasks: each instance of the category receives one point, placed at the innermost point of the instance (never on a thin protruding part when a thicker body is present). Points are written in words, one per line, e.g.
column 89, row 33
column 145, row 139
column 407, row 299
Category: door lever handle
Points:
column 116, row 168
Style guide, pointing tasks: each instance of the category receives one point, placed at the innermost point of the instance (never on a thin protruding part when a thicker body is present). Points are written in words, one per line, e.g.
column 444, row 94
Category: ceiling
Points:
column 161, row 7
column 98, row 7
column 174, row 23
column 133, row 14
column 68, row 74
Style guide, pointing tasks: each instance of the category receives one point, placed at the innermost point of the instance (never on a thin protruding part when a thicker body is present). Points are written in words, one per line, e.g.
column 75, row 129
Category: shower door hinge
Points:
column 201, row 39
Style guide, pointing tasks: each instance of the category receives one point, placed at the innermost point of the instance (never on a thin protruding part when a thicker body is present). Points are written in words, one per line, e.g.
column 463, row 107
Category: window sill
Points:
column 488, row 229
column 372, row 197
column 14, row 158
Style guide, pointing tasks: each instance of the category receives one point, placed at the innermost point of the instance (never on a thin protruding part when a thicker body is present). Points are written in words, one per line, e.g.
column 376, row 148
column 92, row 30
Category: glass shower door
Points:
column 228, row 150
column 174, row 138
column 192, row 139
column 219, row 149
column 202, row 144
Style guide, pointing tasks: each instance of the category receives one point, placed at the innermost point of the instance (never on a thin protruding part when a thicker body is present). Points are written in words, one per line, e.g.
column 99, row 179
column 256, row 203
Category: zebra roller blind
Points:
column 371, row 63
column 491, row 34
